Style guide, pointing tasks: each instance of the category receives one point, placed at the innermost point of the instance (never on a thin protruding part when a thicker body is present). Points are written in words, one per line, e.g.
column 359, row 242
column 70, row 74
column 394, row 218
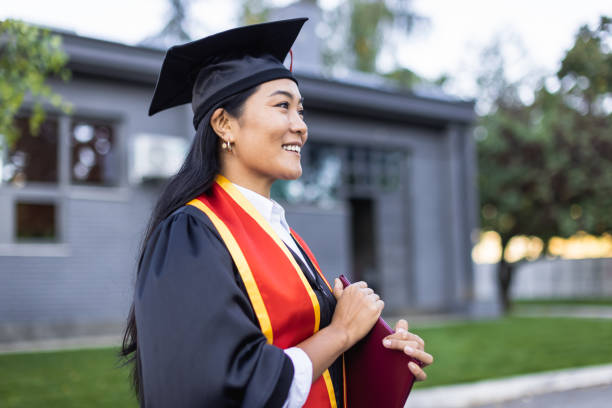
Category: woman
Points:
column 230, row 306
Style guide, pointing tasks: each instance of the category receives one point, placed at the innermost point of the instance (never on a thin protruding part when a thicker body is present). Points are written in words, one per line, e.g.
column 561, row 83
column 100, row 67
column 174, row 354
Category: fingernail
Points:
column 386, row 342
column 401, row 330
column 408, row 349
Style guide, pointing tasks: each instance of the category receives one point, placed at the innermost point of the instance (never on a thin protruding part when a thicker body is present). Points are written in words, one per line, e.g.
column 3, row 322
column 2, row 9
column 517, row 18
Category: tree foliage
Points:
column 359, row 31
column 28, row 56
column 254, row 11
column 370, row 22
column 545, row 167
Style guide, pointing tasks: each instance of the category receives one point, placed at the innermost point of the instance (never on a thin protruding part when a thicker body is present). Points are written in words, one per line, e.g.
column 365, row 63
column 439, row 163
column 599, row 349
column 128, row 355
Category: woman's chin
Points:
column 293, row 174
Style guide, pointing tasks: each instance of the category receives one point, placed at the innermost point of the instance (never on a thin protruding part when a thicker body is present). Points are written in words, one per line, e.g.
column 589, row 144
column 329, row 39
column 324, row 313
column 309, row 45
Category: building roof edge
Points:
column 140, row 64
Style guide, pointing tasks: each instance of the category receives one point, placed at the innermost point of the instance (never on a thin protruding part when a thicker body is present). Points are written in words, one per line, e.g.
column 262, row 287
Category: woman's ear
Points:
column 221, row 124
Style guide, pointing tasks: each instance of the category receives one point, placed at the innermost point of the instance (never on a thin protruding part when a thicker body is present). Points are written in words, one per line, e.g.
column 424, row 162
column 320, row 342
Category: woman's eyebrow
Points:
column 287, row 94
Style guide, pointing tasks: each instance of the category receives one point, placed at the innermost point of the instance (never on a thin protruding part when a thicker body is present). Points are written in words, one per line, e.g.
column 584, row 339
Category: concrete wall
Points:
column 544, row 279
column 563, row 278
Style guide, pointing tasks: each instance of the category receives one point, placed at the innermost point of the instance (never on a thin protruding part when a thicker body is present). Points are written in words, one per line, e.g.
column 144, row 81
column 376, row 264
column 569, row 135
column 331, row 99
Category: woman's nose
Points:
column 298, row 125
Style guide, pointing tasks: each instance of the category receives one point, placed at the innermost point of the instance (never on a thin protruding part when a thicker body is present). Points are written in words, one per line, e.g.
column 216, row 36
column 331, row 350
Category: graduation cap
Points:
column 207, row 71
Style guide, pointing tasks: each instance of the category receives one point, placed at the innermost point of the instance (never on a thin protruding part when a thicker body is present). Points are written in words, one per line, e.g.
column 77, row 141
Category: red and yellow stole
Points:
column 286, row 306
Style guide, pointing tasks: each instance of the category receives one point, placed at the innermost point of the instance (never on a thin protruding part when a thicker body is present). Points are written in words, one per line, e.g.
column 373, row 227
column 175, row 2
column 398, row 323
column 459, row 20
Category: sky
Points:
column 449, row 41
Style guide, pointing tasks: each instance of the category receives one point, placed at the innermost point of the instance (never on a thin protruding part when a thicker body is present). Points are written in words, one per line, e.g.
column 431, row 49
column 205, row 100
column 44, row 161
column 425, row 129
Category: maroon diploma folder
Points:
column 376, row 376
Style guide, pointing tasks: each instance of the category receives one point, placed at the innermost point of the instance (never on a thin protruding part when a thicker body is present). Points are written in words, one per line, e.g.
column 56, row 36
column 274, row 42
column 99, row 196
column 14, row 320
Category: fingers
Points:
column 367, row 291
column 337, row 288
column 396, row 344
column 361, row 287
column 419, row 339
column 407, row 336
column 412, row 345
column 401, row 326
column 362, row 290
column 372, row 296
column 375, row 303
column 420, row 355
column 413, row 348
column 417, row 371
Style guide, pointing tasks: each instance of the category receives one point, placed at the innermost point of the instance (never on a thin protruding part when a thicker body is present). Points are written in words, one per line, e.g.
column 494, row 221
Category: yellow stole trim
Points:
column 330, row 388
column 243, row 269
column 265, row 225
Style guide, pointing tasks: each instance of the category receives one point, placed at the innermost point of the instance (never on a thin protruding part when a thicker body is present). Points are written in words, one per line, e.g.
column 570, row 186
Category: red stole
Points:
column 286, row 306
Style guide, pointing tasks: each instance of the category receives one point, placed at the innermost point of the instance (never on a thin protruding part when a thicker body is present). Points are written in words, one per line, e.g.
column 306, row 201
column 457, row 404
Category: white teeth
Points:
column 293, row 148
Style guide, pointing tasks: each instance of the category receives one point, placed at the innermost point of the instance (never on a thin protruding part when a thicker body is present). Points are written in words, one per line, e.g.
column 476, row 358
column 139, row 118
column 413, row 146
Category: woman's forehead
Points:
column 280, row 87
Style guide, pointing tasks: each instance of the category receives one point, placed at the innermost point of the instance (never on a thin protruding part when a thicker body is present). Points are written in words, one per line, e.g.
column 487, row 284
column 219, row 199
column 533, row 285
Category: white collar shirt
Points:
column 274, row 213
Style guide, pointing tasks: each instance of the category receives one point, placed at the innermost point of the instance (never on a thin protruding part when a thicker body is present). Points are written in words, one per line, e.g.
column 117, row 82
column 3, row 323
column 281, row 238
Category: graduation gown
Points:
column 200, row 339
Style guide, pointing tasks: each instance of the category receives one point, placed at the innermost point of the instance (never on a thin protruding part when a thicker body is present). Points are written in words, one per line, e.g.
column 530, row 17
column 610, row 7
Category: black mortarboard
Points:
column 207, row 71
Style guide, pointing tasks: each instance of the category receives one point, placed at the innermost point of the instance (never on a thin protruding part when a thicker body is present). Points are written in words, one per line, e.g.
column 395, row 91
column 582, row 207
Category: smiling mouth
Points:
column 292, row 148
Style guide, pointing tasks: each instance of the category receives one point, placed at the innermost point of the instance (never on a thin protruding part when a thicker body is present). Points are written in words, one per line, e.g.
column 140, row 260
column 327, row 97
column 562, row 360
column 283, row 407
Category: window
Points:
column 373, row 168
column 68, row 156
column 93, row 152
column 34, row 156
column 332, row 172
column 36, row 221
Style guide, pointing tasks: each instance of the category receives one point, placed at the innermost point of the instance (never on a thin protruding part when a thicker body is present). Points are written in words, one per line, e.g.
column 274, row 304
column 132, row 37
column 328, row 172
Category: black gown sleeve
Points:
column 198, row 338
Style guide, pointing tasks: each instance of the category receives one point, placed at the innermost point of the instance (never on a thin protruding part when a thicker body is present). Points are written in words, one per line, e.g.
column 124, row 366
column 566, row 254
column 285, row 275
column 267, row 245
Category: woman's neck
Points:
column 258, row 185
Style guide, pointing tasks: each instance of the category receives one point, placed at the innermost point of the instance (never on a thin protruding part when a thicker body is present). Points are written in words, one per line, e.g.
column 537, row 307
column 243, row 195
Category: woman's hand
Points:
column 412, row 345
column 357, row 310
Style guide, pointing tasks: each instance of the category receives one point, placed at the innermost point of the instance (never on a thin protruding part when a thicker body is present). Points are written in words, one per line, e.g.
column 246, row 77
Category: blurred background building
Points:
column 387, row 193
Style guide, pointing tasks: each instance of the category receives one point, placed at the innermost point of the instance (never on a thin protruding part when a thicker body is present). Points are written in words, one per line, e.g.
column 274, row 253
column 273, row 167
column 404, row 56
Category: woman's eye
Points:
column 284, row 105
column 301, row 112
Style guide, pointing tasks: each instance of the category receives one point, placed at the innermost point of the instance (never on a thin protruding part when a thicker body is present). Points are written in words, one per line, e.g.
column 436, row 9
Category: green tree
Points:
column 370, row 21
column 28, row 57
column 254, row 11
column 545, row 166
column 365, row 25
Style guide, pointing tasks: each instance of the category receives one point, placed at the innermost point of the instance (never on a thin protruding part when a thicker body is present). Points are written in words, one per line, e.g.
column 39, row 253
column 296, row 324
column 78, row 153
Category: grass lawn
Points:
column 511, row 346
column 463, row 351
column 604, row 301
column 79, row 378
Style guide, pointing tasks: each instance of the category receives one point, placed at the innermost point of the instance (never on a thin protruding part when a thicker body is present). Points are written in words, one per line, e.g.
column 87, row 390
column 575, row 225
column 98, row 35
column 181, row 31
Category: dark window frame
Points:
column 115, row 149
column 58, row 192
column 22, row 124
column 28, row 200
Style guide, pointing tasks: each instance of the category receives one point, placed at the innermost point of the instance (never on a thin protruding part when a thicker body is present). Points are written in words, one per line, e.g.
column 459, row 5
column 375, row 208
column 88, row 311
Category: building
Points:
column 387, row 194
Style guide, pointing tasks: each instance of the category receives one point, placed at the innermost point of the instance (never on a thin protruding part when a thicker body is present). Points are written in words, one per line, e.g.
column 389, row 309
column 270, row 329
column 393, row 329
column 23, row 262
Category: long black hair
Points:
column 195, row 177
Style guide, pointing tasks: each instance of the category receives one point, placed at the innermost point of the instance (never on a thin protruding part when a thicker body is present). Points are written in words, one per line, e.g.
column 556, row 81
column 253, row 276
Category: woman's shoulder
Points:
column 186, row 232
column 188, row 214
column 184, row 243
